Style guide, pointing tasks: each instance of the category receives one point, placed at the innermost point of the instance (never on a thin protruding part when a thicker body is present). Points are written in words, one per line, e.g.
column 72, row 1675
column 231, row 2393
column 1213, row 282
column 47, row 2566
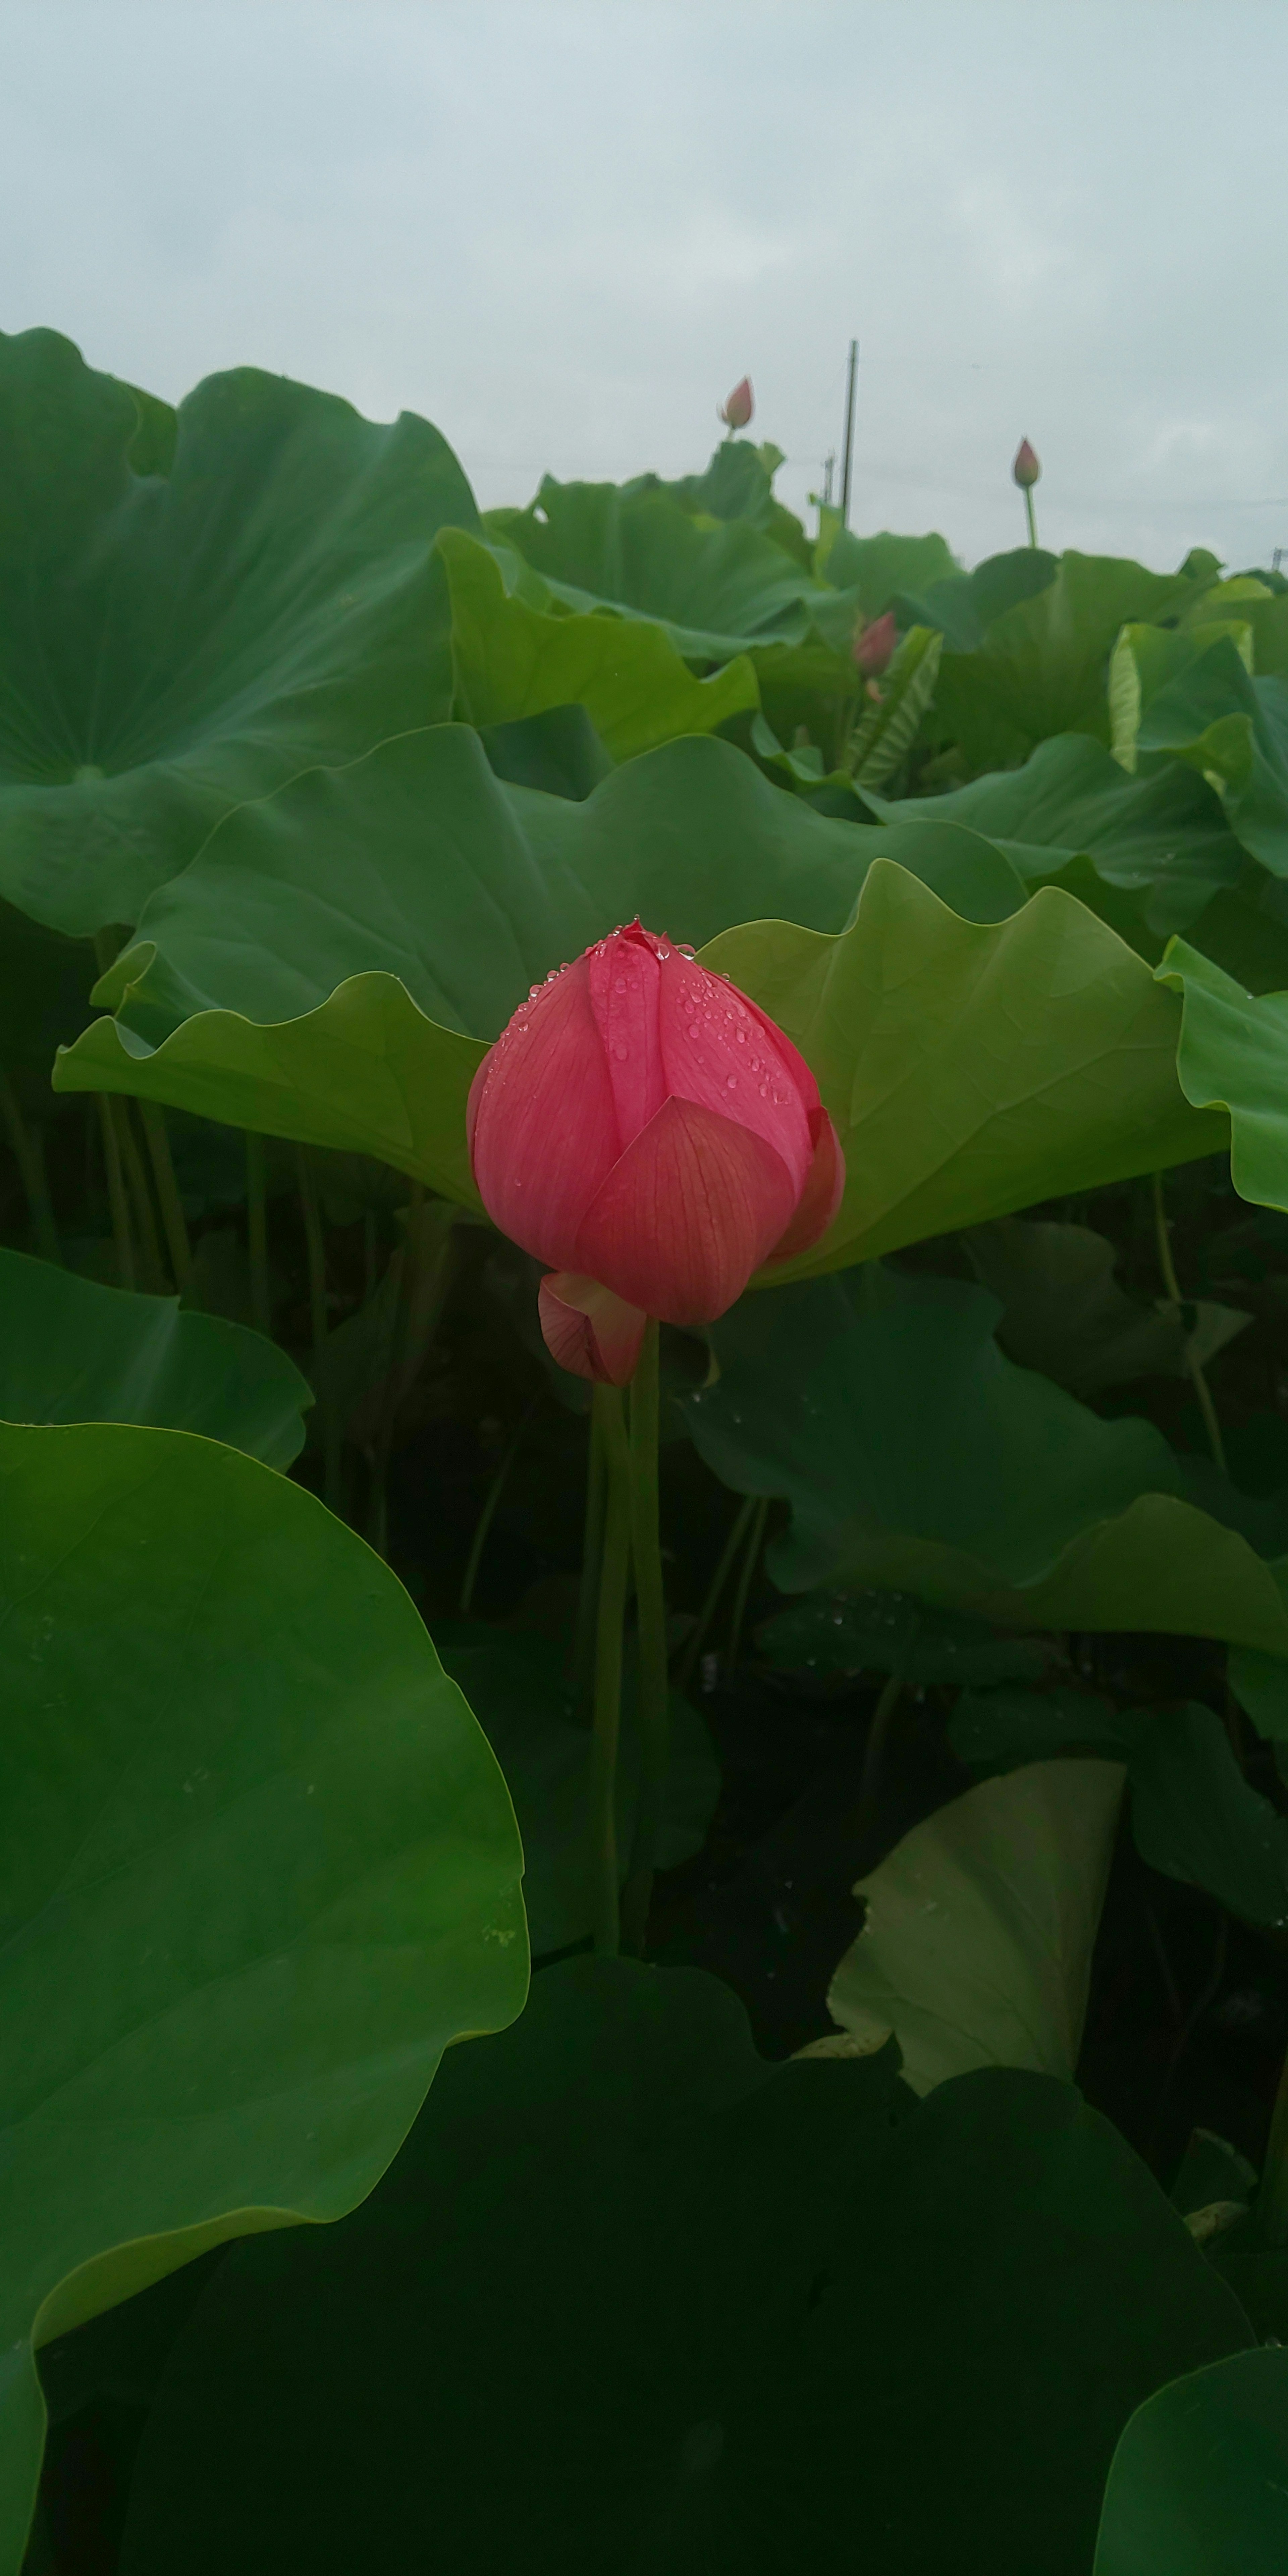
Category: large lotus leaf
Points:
column 1064, row 1313
column 512, row 660
column 718, row 589
column 964, row 605
column 970, row 1070
column 1147, row 659
column 71, row 1351
column 1198, row 2485
column 259, row 1871
column 1163, row 836
column 1235, row 730
column 173, row 643
column 980, row 1925
column 875, row 570
column 1195, row 1817
column 918, row 1459
column 1233, row 1053
column 630, row 2298
column 1041, row 668
column 470, row 891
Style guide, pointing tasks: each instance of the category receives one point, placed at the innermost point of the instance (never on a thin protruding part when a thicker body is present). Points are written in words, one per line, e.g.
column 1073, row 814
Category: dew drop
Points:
column 693, row 1031
column 731, row 1083
column 682, row 951
column 741, row 1036
column 619, row 985
column 763, row 1089
column 533, row 990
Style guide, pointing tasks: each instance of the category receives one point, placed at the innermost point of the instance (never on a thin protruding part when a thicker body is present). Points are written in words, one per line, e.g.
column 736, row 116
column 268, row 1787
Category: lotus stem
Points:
column 755, row 1542
column 1195, row 1367
column 1031, row 517
column 698, row 1636
column 27, row 1148
column 592, row 1551
column 257, row 1233
column 879, row 1732
column 490, row 1501
column 167, row 1189
column 333, row 1483
column 140, row 1197
column 650, row 1598
column 1271, row 2217
column 116, row 1192
column 605, row 1912
column 378, row 1508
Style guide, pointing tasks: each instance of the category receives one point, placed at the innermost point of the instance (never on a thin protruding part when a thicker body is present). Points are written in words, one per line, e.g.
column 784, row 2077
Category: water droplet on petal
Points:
column 682, row 951
column 741, row 1035
column 731, row 1083
column 619, row 984
column 763, row 1089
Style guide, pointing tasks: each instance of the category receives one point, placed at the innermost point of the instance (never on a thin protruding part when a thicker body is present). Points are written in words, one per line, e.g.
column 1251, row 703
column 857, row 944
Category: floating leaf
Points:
column 976, row 1950
column 259, row 1866
column 71, row 1351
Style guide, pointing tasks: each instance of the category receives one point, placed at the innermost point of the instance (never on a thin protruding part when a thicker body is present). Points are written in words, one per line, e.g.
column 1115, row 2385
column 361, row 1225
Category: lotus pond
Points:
column 693, row 1979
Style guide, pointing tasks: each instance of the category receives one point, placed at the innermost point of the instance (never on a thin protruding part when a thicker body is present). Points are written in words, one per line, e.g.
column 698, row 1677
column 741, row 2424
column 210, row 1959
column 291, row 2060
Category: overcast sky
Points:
column 563, row 228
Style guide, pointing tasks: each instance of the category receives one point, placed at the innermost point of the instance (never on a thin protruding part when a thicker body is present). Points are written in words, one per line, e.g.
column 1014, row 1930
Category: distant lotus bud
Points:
column 647, row 1131
column 1026, row 468
column 874, row 645
column 738, row 410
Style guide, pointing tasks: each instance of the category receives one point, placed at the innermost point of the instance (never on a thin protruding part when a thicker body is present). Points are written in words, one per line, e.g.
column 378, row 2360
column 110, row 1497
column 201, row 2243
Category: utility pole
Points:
column 849, row 432
column 829, row 468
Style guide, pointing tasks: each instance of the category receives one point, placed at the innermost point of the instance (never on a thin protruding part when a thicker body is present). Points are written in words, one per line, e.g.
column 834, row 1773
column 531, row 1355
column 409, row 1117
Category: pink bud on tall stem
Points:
column 737, row 410
column 1026, row 471
column 642, row 1127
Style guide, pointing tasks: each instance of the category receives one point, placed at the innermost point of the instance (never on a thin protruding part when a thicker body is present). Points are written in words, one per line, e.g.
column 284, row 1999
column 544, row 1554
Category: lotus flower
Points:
column 737, row 411
column 645, row 1129
column 873, row 646
column 1026, row 468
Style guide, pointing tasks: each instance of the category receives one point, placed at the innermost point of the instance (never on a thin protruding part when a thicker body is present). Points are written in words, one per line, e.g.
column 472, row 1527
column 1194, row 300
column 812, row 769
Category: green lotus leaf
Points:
column 1195, row 1817
column 980, row 1925
column 259, row 1866
column 1162, row 837
column 1234, row 729
column 512, row 660
column 630, row 2295
column 1041, row 667
column 718, row 589
column 876, row 570
column 963, row 605
column 917, row 1459
column 176, row 641
column 1198, row 2485
column 71, row 1351
column 1064, row 1313
column 970, row 1069
column 1233, row 1053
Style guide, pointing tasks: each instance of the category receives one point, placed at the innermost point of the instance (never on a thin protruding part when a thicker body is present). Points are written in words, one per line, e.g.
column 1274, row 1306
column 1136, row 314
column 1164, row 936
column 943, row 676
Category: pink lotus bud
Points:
column 1026, row 468
column 737, row 411
column 873, row 645
column 650, row 1133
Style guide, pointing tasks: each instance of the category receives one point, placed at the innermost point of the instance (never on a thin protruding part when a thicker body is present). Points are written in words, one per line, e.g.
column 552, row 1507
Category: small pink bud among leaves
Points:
column 1026, row 468
column 737, row 411
column 645, row 1129
column 874, row 645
